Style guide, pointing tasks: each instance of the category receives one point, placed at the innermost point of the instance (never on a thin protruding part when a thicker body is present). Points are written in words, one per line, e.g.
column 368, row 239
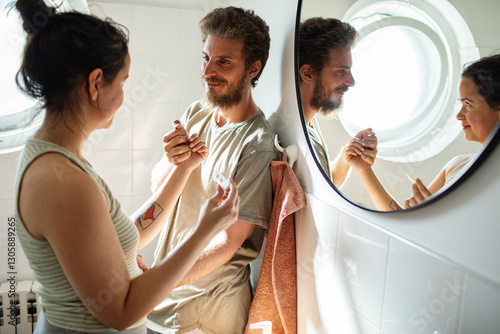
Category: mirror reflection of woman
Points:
column 80, row 244
column 479, row 93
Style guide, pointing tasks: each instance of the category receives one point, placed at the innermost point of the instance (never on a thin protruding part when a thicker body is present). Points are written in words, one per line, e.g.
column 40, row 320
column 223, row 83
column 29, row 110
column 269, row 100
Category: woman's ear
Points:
column 306, row 73
column 95, row 80
column 255, row 69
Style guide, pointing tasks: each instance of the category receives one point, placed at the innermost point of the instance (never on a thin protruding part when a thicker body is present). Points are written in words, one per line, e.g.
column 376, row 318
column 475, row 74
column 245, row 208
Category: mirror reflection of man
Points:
column 215, row 296
column 325, row 75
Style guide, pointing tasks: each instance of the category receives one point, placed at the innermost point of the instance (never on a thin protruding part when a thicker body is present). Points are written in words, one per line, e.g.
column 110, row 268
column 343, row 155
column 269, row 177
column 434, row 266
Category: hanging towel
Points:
column 276, row 295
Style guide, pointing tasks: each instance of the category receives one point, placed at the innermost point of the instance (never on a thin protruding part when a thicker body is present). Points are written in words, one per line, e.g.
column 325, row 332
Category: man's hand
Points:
column 361, row 151
column 182, row 148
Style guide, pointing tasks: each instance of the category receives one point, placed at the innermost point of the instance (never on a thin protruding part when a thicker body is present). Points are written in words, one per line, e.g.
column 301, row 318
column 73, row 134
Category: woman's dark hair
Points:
column 244, row 25
column 486, row 75
column 317, row 36
column 61, row 51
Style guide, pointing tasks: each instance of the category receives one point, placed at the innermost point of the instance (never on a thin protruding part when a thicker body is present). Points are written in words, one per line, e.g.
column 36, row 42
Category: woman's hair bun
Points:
column 35, row 14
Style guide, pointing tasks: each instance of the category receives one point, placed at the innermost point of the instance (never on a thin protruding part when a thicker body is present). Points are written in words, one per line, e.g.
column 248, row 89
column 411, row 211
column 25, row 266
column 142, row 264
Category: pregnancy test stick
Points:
column 412, row 180
column 222, row 181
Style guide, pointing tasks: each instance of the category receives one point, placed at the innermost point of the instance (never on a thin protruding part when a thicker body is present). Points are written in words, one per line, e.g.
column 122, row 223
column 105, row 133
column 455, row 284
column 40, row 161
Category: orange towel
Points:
column 276, row 295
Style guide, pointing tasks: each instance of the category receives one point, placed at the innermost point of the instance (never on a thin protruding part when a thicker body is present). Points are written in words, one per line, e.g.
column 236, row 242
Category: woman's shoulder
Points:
column 55, row 168
column 52, row 186
column 456, row 161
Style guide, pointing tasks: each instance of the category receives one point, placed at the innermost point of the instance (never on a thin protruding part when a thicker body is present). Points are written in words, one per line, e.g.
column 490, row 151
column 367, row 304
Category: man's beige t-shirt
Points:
column 319, row 146
column 220, row 301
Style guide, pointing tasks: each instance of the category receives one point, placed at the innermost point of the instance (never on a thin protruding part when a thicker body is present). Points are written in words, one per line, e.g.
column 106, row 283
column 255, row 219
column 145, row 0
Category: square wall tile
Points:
column 117, row 137
column 191, row 43
column 316, row 246
column 346, row 320
column 151, row 122
column 143, row 163
column 154, row 79
column 481, row 309
column 190, row 80
column 361, row 266
column 156, row 30
column 115, row 167
column 120, row 13
column 316, row 242
column 423, row 293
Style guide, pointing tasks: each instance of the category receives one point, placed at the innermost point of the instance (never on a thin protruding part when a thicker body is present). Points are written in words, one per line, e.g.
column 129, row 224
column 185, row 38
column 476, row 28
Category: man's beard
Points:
column 231, row 98
column 321, row 99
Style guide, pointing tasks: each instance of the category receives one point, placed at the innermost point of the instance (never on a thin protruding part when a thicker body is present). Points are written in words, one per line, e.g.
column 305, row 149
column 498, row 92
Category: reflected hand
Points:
column 180, row 148
column 361, row 151
column 420, row 194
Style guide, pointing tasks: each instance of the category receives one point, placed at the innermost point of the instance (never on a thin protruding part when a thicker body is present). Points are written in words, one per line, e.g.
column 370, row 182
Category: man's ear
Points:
column 95, row 80
column 306, row 73
column 254, row 69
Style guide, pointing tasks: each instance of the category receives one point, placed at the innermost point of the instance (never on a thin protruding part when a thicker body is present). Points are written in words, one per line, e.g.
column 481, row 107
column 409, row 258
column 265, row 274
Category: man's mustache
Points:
column 214, row 80
column 342, row 89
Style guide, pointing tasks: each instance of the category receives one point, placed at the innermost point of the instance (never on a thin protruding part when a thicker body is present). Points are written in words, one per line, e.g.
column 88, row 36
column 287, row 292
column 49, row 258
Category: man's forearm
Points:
column 220, row 250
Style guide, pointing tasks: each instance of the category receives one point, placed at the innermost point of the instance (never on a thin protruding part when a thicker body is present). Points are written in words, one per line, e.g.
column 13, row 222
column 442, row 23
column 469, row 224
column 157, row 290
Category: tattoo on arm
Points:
column 149, row 216
column 394, row 206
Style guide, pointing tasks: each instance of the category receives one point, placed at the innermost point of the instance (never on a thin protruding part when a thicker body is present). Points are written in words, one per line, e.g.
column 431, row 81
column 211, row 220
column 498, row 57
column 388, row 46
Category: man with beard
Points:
column 215, row 296
column 325, row 75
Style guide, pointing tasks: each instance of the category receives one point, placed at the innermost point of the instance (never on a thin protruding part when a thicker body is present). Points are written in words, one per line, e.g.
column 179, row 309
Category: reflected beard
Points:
column 321, row 99
column 230, row 99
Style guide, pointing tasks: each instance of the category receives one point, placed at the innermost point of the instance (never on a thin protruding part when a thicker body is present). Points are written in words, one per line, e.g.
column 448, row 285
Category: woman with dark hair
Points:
column 479, row 92
column 80, row 244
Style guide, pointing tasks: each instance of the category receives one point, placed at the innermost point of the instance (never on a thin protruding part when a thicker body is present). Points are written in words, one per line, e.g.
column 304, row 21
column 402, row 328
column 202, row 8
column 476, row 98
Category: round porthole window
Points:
column 20, row 115
column 17, row 111
column 407, row 64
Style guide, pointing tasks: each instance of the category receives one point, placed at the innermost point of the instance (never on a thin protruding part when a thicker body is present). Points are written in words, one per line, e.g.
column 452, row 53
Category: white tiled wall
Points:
column 354, row 278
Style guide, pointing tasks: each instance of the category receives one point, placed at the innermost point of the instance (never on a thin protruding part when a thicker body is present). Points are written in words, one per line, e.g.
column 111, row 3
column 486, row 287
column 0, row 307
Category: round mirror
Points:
column 401, row 78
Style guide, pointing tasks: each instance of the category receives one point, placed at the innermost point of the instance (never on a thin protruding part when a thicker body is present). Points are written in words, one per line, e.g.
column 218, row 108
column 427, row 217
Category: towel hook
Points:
column 292, row 151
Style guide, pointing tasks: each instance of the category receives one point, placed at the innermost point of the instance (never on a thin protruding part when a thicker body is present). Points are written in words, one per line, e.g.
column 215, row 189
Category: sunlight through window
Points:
column 407, row 64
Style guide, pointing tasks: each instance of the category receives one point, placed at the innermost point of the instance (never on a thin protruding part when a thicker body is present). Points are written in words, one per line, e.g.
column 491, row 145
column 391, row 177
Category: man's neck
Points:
column 246, row 109
column 309, row 113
